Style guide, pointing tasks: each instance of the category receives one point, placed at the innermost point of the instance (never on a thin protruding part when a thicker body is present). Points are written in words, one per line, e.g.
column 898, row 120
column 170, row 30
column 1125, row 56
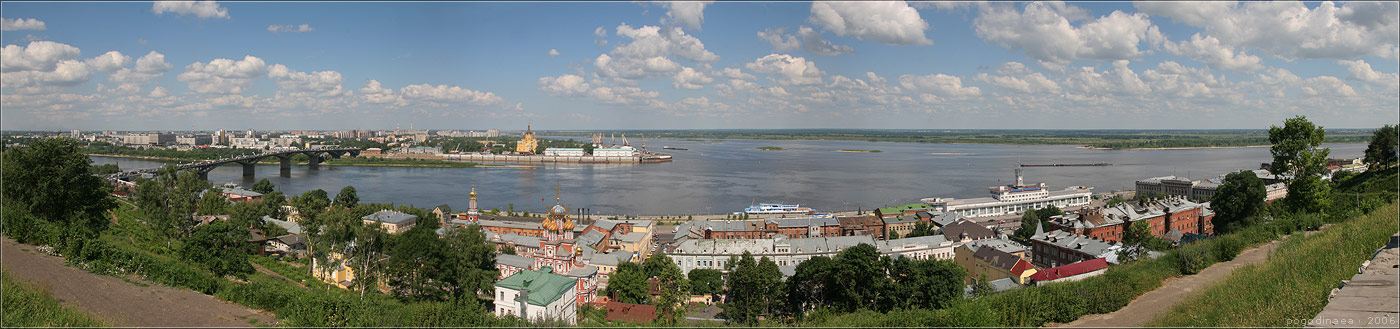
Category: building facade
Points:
column 537, row 296
column 527, row 143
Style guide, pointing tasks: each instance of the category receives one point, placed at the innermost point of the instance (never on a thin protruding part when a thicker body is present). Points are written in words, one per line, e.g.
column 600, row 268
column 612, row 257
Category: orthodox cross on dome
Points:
column 556, row 192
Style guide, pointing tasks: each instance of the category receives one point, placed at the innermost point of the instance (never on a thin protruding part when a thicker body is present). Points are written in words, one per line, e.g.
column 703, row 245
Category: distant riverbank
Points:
column 1087, row 147
column 348, row 162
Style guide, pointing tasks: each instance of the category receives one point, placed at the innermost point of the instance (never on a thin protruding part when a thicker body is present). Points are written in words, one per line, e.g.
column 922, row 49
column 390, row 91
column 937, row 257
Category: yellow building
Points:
column 337, row 273
column 992, row 264
column 528, row 143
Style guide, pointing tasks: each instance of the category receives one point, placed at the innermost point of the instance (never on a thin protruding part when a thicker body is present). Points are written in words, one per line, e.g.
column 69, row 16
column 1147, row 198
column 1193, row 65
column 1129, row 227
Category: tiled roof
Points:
column 973, row 230
column 1054, row 273
column 635, row 313
column 390, row 216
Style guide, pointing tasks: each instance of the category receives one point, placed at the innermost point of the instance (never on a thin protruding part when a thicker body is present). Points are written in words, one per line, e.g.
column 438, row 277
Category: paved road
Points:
column 1158, row 301
column 122, row 303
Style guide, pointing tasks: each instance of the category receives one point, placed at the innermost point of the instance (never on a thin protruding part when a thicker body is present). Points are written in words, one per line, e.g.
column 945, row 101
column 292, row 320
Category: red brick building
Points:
column 1164, row 216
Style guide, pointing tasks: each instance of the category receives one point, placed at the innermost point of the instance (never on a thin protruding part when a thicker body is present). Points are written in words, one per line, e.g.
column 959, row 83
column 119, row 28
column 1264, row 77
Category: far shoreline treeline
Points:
column 1101, row 139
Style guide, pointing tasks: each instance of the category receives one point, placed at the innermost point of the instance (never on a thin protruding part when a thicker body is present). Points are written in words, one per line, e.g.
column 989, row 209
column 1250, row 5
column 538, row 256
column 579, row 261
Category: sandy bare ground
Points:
column 122, row 303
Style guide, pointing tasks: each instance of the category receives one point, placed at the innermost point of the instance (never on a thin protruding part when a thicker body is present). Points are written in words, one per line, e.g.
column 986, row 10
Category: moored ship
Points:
column 778, row 209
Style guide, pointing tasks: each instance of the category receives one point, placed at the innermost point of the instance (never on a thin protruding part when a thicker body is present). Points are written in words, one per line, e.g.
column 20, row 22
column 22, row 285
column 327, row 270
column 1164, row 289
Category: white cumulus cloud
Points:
column 787, row 70
column 888, row 22
column 1291, row 29
column 686, row 13
column 223, row 76
column 16, row 24
column 201, row 9
column 1045, row 32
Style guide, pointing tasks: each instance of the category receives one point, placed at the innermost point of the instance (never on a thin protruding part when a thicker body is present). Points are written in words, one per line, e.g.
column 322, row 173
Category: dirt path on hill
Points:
column 123, row 303
column 264, row 270
column 1174, row 290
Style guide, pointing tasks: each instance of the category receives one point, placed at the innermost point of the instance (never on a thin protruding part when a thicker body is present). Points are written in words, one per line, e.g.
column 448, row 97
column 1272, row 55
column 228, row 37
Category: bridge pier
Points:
column 249, row 168
column 313, row 161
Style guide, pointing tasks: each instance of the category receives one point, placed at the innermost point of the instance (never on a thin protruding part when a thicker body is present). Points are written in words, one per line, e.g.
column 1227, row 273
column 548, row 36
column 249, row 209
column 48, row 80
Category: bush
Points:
column 1225, row 248
column 1195, row 257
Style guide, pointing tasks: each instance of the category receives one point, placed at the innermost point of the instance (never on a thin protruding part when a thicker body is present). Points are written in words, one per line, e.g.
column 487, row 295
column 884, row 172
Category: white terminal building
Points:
column 1013, row 199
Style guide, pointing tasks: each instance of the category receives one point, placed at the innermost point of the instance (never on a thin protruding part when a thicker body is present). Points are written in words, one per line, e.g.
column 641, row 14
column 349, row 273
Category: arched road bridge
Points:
column 250, row 162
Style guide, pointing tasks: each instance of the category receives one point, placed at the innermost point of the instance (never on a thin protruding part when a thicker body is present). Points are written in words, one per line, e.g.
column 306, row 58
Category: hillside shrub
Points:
column 1226, row 248
column 1195, row 257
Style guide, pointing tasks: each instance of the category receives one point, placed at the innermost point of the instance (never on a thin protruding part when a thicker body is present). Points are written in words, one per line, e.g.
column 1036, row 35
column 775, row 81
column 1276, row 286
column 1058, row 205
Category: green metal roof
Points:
column 543, row 286
column 901, row 209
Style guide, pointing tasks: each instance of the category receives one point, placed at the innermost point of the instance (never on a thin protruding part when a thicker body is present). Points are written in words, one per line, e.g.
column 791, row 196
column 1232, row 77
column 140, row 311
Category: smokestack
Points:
column 1018, row 177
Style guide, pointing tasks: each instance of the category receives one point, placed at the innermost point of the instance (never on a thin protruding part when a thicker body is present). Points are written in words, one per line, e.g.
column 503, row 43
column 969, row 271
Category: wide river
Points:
column 726, row 176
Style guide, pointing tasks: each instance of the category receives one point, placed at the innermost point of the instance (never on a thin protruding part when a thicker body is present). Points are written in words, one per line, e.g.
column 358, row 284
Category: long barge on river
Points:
column 643, row 158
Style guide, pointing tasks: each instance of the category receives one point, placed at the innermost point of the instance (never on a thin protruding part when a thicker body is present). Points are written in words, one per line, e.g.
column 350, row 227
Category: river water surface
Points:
column 726, row 176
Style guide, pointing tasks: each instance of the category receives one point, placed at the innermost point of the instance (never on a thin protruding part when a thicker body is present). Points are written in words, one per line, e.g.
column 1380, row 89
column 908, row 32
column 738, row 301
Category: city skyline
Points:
column 697, row 65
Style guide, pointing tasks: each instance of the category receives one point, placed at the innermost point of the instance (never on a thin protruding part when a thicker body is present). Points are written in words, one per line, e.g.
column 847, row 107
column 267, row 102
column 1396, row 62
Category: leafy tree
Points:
column 810, row 285
column 471, row 263
column 705, row 281
column 1239, row 197
column 264, row 186
column 110, row 168
column 51, row 180
column 366, row 255
column 1033, row 218
column 1138, row 240
column 934, row 284
column 1383, row 147
column 1309, row 194
column 220, row 247
column 346, row 198
column 922, row 229
column 273, row 202
column 670, row 305
column 1296, row 148
column 213, row 202
column 415, row 269
column 749, row 292
column 312, row 202
column 1115, row 201
column 628, row 284
column 857, row 275
column 981, row 287
column 169, row 200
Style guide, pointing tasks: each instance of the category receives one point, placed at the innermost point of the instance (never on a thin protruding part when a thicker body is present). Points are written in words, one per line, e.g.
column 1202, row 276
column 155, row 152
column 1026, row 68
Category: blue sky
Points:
column 648, row 65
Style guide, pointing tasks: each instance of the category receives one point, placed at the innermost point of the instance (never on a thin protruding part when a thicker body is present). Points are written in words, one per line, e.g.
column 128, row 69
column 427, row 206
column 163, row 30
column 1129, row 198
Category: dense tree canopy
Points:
column 705, row 281
column 49, row 183
column 1296, row 148
column 751, row 290
column 220, row 247
column 1383, row 147
column 170, row 200
column 213, row 202
column 1309, row 194
column 264, row 186
column 628, row 284
column 1033, row 218
column 347, row 197
column 1238, row 198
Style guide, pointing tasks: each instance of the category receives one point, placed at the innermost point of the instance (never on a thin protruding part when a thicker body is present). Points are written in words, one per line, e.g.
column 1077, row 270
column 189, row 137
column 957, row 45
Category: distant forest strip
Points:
column 1109, row 139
